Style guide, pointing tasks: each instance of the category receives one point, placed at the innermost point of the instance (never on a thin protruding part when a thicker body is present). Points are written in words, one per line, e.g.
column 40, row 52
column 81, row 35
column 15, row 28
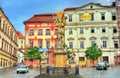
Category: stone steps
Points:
column 57, row 76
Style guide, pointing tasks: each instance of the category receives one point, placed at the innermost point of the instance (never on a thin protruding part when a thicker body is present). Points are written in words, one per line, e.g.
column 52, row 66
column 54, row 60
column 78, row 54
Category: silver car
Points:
column 22, row 68
column 101, row 66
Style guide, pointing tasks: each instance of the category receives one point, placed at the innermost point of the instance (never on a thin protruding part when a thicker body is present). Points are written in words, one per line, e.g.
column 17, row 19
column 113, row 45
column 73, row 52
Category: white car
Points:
column 22, row 68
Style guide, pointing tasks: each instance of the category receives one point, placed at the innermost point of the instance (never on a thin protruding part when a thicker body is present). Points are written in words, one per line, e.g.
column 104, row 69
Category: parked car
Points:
column 101, row 66
column 22, row 68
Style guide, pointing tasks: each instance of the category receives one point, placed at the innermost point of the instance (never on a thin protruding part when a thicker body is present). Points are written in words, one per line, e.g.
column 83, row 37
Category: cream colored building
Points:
column 21, row 47
column 8, row 42
column 101, row 29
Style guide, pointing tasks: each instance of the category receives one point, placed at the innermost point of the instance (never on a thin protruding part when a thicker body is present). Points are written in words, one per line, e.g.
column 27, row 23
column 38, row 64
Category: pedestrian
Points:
column 77, row 70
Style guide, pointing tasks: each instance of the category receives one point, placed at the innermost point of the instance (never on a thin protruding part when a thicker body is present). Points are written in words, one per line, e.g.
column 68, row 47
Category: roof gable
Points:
column 20, row 35
column 91, row 6
column 41, row 18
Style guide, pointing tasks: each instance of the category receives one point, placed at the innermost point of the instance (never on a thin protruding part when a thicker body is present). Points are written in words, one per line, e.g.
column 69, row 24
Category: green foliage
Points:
column 68, row 53
column 93, row 52
column 32, row 54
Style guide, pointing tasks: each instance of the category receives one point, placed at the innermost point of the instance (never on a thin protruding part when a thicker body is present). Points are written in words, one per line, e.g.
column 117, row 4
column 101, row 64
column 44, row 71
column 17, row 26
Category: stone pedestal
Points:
column 60, row 59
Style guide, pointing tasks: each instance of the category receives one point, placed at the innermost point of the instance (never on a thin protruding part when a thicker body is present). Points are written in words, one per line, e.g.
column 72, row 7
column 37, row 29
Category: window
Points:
column 70, row 31
column 102, row 16
column 114, row 29
column 70, row 18
column 104, row 44
column 105, row 58
column 115, row 44
column 56, row 32
column 80, row 17
column 103, row 29
column 21, row 41
column 81, row 58
column 91, row 6
column 81, row 30
column 113, row 16
column 40, row 44
column 31, row 44
column 21, row 47
column 92, row 17
column 31, row 32
column 47, row 43
column 40, row 32
column 92, row 42
column 92, row 30
column 81, row 44
column 70, row 44
column 47, row 31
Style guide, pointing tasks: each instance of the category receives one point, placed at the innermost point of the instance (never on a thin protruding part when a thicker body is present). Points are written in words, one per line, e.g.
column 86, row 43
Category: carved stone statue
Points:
column 60, row 21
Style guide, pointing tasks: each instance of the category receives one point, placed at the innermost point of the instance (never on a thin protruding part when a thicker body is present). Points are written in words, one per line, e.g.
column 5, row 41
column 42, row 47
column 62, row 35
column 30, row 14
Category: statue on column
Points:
column 60, row 21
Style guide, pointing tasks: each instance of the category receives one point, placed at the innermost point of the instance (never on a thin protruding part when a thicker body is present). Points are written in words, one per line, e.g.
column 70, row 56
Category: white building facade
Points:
column 101, row 29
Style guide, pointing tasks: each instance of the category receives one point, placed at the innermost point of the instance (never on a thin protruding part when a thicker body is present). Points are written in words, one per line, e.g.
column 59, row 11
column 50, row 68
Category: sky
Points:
column 18, row 11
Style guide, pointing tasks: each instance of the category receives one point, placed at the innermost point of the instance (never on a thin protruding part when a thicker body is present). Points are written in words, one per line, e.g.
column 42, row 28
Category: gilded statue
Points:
column 59, row 22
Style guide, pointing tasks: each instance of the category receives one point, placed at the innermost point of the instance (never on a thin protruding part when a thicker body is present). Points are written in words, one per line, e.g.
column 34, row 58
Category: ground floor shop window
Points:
column 106, row 59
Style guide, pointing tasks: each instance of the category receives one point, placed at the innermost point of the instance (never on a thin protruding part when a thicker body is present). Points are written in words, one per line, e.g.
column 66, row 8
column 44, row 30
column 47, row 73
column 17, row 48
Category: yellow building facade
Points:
column 101, row 28
column 8, row 42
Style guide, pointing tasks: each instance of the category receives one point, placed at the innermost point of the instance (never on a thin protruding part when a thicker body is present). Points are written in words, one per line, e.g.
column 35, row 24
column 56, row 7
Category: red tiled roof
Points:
column 20, row 35
column 42, row 18
column 71, row 8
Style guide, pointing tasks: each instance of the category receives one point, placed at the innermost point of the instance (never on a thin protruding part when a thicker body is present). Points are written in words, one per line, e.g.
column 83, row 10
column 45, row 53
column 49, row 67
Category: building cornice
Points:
column 91, row 23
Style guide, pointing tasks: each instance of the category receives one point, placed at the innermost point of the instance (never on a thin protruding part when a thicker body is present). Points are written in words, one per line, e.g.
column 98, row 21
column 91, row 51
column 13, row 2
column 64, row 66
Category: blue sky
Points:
column 20, row 10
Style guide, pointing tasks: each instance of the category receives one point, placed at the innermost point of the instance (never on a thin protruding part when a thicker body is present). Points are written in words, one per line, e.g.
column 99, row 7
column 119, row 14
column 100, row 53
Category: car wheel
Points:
column 17, row 72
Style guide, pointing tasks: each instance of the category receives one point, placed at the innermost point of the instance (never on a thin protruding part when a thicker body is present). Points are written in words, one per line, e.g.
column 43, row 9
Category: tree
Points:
column 32, row 54
column 93, row 52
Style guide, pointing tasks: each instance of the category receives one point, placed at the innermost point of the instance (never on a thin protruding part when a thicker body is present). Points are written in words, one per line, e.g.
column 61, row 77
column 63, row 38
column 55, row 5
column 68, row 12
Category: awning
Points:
column 43, row 49
column 86, row 16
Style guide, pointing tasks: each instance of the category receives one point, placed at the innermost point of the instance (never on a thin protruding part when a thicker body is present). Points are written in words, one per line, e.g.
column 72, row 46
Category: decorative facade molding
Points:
column 70, row 38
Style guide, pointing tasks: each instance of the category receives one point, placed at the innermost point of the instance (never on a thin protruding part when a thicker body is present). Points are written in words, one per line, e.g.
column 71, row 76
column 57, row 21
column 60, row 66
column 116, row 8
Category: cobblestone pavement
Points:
column 111, row 72
column 11, row 73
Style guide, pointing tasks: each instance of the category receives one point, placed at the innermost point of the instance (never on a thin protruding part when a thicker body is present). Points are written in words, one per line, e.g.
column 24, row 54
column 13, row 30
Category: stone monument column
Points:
column 60, row 54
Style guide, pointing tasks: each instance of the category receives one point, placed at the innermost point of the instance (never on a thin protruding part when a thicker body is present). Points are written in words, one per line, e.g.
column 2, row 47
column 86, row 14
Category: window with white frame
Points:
column 103, row 29
column 31, row 43
column 47, row 31
column 114, row 29
column 56, row 31
column 80, row 17
column 40, row 44
column 92, row 17
column 113, row 16
column 70, row 18
column 92, row 43
column 102, row 16
column 47, row 43
column 116, row 44
column 70, row 44
column 21, row 41
column 92, row 30
column 70, row 31
column 81, row 44
column 104, row 44
column 81, row 30
column 40, row 32
column 31, row 32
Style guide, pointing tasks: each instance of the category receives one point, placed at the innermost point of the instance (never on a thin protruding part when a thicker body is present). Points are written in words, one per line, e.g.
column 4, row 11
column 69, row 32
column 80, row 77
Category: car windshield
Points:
column 101, row 63
column 22, row 66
